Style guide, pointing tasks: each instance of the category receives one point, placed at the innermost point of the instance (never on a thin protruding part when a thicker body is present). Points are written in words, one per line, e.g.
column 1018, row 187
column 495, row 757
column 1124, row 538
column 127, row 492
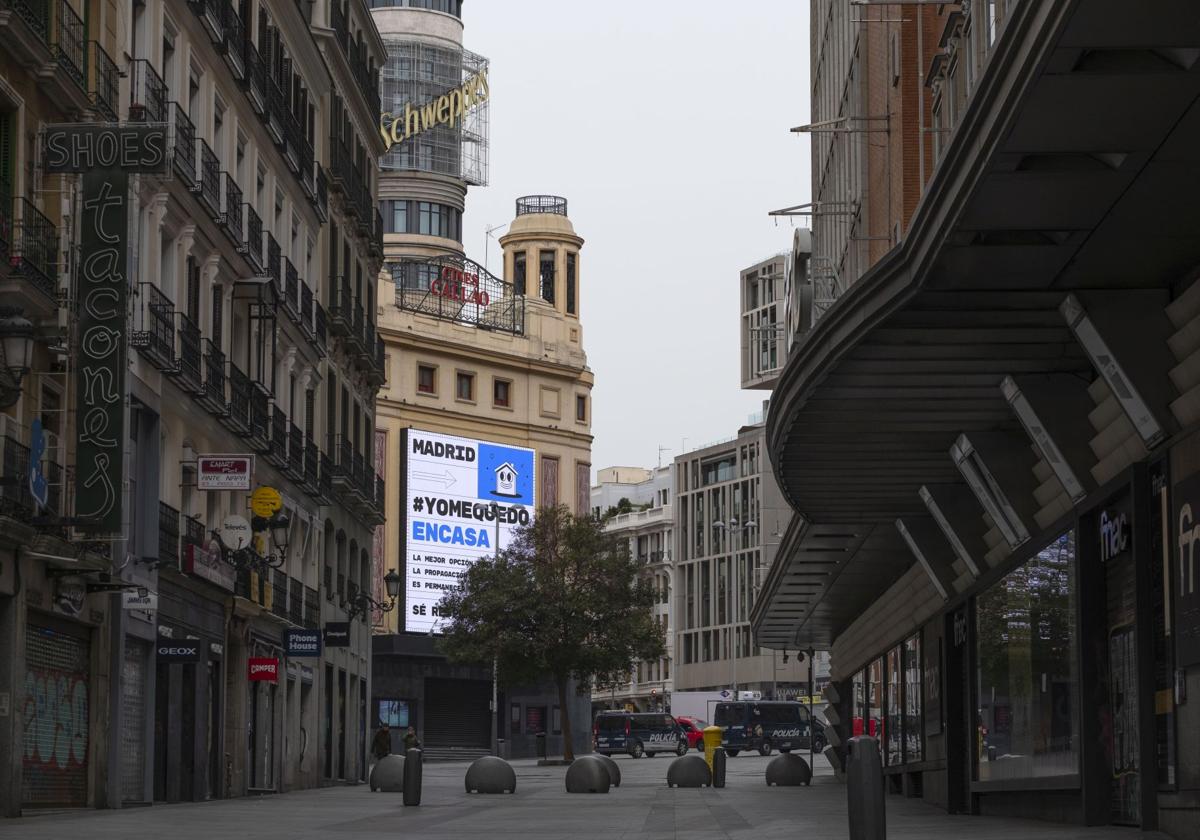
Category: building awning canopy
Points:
column 1076, row 169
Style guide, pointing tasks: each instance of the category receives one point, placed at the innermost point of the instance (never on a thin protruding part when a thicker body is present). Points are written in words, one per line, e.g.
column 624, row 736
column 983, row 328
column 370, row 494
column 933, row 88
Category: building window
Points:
column 571, row 302
column 399, row 217
column 519, row 273
column 464, row 386
column 502, row 393
column 914, row 740
column 546, row 275
column 514, row 719
column 1028, row 721
column 426, row 379
column 581, row 408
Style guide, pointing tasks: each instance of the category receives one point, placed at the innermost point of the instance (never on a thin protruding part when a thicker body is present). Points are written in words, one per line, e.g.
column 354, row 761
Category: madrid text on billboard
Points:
column 437, row 449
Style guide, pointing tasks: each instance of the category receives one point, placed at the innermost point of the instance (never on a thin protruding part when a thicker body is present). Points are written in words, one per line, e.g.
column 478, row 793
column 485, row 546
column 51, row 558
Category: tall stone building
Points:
column 492, row 360
column 168, row 560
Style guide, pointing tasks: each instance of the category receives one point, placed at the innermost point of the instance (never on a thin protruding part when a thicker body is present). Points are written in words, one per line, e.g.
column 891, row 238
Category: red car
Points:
column 693, row 728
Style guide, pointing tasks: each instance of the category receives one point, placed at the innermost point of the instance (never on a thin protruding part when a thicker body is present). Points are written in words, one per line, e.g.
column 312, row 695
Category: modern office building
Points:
column 496, row 359
column 989, row 436
column 729, row 517
column 145, row 609
column 649, row 532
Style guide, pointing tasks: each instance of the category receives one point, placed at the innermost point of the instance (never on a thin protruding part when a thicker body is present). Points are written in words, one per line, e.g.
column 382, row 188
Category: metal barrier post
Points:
column 718, row 767
column 865, row 802
column 541, row 744
column 412, row 777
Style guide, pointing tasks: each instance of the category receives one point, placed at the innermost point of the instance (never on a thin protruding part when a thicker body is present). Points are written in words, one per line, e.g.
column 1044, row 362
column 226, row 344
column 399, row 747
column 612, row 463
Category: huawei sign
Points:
column 263, row 669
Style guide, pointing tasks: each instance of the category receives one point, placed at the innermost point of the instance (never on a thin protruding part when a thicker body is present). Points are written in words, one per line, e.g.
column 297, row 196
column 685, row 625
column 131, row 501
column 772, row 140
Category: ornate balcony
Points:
column 168, row 535
column 231, row 215
column 188, row 374
column 184, row 145
column 209, row 187
column 277, row 451
column 276, row 109
column 212, row 14
column 260, row 418
column 342, row 457
column 35, row 256
column 279, row 593
column 255, row 81
column 104, row 83
column 67, row 82
column 254, row 240
column 341, row 307
column 238, row 420
column 155, row 336
column 234, row 45
column 213, row 397
column 148, row 93
column 295, row 454
column 193, row 531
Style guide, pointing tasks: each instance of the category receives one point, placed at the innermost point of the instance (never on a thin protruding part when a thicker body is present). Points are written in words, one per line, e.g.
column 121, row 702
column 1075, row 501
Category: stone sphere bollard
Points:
column 689, row 771
column 490, row 774
column 788, row 770
column 614, row 771
column 388, row 774
column 586, row 775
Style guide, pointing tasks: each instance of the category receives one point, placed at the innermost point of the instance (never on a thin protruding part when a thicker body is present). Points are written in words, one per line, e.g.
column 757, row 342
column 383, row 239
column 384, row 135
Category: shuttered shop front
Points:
column 456, row 713
column 55, row 715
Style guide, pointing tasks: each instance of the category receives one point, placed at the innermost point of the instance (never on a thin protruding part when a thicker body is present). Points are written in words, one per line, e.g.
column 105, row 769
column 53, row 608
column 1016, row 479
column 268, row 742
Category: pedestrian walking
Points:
column 381, row 746
column 411, row 741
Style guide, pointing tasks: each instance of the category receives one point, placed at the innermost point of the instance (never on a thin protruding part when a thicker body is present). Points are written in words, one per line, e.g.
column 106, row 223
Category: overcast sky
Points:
column 665, row 125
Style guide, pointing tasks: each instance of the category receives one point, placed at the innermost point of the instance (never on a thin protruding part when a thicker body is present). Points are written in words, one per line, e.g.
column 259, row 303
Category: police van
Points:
column 764, row 726
column 637, row 734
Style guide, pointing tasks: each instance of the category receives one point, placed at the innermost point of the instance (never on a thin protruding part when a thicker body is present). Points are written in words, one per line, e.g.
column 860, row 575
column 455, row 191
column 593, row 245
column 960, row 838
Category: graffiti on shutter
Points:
column 55, row 719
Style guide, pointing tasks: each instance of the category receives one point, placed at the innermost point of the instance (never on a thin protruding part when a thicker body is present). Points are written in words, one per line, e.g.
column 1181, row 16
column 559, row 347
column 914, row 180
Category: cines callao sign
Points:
column 447, row 109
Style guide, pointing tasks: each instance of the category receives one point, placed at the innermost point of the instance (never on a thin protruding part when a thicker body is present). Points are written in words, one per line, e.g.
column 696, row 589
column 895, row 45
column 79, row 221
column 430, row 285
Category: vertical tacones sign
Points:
column 105, row 154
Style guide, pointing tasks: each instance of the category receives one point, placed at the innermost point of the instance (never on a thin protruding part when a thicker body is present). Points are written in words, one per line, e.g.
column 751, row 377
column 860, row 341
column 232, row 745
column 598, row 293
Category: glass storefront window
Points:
column 875, row 699
column 859, row 713
column 1027, row 725
column 892, row 728
column 914, row 740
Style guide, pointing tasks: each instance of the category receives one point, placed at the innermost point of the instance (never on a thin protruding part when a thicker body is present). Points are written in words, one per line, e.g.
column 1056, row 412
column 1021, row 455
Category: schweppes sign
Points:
column 445, row 110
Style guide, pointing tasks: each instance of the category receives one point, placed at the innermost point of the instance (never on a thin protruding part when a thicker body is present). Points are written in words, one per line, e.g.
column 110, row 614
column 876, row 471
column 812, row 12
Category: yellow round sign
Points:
column 265, row 502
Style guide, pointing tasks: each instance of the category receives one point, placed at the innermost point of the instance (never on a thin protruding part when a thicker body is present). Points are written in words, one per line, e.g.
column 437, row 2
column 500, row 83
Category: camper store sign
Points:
column 105, row 155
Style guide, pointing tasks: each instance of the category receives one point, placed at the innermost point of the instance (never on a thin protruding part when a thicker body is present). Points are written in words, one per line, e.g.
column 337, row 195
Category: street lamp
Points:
column 361, row 601
column 246, row 558
column 16, row 344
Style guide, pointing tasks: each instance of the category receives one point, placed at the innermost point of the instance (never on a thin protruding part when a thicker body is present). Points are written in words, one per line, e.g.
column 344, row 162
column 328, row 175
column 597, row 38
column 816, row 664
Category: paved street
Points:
column 643, row 807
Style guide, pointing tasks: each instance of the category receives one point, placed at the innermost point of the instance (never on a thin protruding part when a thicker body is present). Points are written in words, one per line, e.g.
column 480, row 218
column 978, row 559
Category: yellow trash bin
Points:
column 712, row 740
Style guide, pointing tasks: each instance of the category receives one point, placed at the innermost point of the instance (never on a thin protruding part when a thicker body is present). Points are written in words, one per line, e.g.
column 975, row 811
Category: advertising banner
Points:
column 298, row 642
column 224, row 472
column 337, row 634
column 464, row 499
column 206, row 563
column 179, row 650
column 262, row 669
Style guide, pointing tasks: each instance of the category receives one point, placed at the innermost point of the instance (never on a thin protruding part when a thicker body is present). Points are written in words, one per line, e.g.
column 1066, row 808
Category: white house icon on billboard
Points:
column 506, row 480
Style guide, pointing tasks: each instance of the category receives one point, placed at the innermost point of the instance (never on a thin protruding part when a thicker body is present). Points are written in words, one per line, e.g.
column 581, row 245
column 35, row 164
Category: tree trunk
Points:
column 568, row 744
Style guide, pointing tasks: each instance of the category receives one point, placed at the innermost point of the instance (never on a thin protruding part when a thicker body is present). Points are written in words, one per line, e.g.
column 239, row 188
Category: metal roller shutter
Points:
column 55, row 709
column 456, row 713
column 133, row 721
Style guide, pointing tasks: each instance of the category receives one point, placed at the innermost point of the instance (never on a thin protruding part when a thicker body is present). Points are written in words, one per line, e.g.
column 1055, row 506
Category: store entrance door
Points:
column 1124, row 741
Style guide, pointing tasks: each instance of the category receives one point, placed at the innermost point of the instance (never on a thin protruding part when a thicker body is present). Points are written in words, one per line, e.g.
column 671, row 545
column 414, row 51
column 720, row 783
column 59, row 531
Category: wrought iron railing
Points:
column 311, row 466
column 553, row 204
column 214, row 378
column 328, row 583
column 291, row 290
column 16, row 500
column 36, row 13
column 341, row 306
column 184, row 144
column 240, row 388
column 104, row 86
column 8, row 223
column 320, row 326
column 260, row 417
column 148, row 93
column 232, row 207
column 306, row 308
column 254, row 238
column 342, row 459
column 193, row 531
column 235, row 38
column 277, row 454
column 190, row 357
column 212, row 14
column 295, row 451
column 55, row 487
column 274, row 260
column 209, row 187
column 70, row 43
column 256, row 78
column 312, row 608
column 295, row 601
column 454, row 288
column 276, row 108
column 279, row 593
column 168, row 534
column 36, row 255
column 156, row 337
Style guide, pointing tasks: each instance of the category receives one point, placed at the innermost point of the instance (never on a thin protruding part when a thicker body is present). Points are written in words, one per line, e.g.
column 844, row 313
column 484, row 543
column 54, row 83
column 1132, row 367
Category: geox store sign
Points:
column 445, row 110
